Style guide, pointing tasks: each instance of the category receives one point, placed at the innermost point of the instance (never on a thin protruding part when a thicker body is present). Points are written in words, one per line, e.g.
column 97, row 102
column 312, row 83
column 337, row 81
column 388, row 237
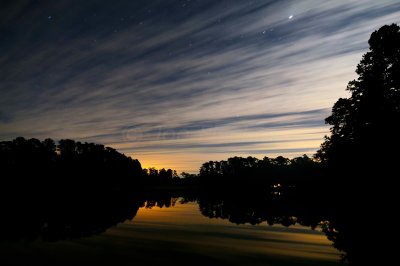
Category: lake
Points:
column 181, row 232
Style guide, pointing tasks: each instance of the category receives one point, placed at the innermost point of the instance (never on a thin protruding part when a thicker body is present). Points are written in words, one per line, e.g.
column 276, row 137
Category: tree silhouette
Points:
column 365, row 128
column 253, row 172
column 36, row 167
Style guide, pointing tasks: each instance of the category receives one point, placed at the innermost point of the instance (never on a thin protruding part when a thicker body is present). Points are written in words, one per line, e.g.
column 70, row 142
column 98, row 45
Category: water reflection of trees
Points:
column 310, row 208
column 75, row 216
column 340, row 221
column 242, row 208
column 159, row 201
column 82, row 215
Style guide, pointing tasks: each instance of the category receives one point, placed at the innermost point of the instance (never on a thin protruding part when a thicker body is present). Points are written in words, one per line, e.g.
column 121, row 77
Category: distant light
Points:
column 49, row 17
column 291, row 16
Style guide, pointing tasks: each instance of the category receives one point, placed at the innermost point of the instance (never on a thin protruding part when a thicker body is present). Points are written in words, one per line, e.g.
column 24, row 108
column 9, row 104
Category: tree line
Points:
column 67, row 166
column 251, row 170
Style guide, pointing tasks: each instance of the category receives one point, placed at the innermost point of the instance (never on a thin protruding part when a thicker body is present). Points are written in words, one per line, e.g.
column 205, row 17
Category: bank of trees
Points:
column 252, row 166
column 69, row 165
column 251, row 170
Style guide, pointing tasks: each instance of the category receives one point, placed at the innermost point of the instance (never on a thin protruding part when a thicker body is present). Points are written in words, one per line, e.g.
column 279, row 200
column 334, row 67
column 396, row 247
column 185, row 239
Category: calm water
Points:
column 180, row 235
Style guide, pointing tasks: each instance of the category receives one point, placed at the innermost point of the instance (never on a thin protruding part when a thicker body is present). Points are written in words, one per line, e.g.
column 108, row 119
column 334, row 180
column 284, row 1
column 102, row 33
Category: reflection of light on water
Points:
column 181, row 235
column 184, row 226
column 276, row 185
column 276, row 189
column 179, row 214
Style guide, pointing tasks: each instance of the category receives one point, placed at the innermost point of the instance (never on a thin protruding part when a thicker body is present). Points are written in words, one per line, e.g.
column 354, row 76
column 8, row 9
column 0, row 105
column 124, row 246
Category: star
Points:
column 291, row 16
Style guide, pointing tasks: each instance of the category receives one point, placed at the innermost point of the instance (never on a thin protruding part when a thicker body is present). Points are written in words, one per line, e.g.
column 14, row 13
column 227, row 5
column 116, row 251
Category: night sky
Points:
column 178, row 83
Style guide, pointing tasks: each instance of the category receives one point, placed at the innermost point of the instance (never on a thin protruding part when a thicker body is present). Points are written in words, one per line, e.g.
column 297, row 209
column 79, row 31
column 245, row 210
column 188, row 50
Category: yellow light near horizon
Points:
column 179, row 214
column 178, row 162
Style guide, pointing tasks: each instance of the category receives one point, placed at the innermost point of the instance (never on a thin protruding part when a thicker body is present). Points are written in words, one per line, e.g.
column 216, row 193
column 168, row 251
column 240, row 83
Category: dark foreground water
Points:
column 180, row 234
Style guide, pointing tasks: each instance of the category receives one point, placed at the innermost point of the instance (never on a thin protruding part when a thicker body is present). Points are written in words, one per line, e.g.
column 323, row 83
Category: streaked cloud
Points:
column 176, row 85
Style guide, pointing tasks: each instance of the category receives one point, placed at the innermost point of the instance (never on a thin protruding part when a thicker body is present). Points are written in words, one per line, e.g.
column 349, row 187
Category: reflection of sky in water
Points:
column 180, row 235
column 184, row 226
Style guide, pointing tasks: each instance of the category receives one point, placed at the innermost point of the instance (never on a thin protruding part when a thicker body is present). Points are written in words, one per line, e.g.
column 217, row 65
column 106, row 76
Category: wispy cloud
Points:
column 206, row 79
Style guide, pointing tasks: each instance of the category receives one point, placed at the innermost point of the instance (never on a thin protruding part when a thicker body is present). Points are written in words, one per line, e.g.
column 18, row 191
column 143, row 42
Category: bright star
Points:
column 291, row 16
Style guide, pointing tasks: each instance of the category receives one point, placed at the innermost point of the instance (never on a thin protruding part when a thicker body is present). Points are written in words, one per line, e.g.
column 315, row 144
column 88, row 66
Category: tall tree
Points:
column 365, row 127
